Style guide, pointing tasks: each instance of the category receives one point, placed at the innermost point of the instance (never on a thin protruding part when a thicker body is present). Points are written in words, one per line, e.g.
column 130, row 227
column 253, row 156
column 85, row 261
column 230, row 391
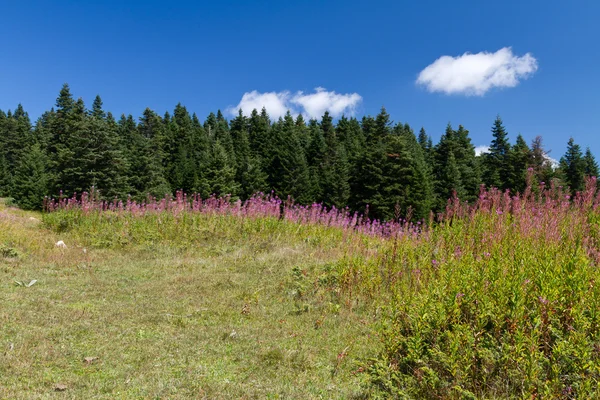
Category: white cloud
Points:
column 317, row 103
column 311, row 105
column 475, row 74
column 553, row 161
column 479, row 150
column 277, row 104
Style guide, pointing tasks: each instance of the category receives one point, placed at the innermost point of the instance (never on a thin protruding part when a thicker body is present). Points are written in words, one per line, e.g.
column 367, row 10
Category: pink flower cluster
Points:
column 260, row 205
column 547, row 214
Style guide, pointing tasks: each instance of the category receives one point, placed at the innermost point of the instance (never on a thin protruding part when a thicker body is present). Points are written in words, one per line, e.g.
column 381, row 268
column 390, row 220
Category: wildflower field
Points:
column 212, row 298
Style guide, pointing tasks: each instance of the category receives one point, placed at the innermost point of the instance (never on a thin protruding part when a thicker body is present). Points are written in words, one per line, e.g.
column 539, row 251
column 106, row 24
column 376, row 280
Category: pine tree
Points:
column 60, row 128
column 302, row 132
column 223, row 135
column 543, row 171
column 6, row 178
column 332, row 167
column 72, row 140
column 258, row 134
column 315, row 157
column 369, row 176
column 146, row 174
column 339, row 189
column 221, row 172
column 419, row 180
column 86, row 151
column 591, row 166
column 496, row 164
column 572, row 167
column 467, row 164
column 446, row 169
column 424, row 141
column 15, row 135
column 350, row 134
column 249, row 173
column 201, row 154
column 182, row 165
column 31, row 178
column 97, row 110
column 287, row 169
column 397, row 176
column 107, row 164
column 519, row 161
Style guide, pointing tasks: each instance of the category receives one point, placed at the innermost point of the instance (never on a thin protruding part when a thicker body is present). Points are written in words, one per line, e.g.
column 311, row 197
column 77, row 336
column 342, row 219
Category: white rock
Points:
column 61, row 244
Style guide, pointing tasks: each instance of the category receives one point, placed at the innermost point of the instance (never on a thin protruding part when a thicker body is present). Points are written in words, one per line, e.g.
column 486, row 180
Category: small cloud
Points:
column 553, row 161
column 479, row 150
column 317, row 103
column 311, row 105
column 276, row 103
column 475, row 74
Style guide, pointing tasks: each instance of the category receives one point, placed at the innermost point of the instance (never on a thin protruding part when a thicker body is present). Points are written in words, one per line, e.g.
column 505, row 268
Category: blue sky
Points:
column 207, row 55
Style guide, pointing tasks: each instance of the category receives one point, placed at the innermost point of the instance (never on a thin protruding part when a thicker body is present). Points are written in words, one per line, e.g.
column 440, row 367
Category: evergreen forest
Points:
column 371, row 165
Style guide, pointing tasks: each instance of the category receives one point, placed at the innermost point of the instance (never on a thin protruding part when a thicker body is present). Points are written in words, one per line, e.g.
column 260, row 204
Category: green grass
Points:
column 501, row 301
column 232, row 312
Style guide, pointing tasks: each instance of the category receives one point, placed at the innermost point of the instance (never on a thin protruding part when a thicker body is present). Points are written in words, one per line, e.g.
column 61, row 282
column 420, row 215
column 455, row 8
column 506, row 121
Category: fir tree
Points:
column 572, row 167
column 6, row 178
column 419, row 180
column 496, row 164
column 369, row 177
column 147, row 174
column 15, row 135
column 467, row 164
column 87, row 152
column 223, row 135
column 339, row 189
column 397, row 178
column 302, row 132
column 315, row 157
column 350, row 134
column 31, row 178
column 591, row 166
column 287, row 169
column 543, row 171
column 97, row 110
column 425, row 142
column 258, row 133
column 519, row 161
column 446, row 169
column 249, row 173
column 221, row 172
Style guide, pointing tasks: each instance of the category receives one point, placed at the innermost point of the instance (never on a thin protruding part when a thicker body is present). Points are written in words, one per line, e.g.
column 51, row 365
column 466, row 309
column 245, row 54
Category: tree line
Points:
column 369, row 165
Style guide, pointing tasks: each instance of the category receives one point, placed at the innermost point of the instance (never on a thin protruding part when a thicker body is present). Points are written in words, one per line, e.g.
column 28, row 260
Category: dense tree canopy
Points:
column 370, row 165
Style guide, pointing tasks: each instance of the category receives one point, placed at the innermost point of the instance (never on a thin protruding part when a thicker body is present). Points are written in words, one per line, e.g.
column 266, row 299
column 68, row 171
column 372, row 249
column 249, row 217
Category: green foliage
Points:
column 220, row 172
column 455, row 167
column 543, row 170
column 371, row 166
column 496, row 162
column 85, row 150
column 31, row 178
column 249, row 173
column 146, row 173
column 485, row 308
column 368, row 175
column 591, row 166
column 573, row 167
column 519, row 161
column 287, row 169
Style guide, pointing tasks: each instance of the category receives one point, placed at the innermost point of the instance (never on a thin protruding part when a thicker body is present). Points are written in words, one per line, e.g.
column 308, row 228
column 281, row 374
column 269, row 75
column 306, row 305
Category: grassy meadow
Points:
column 495, row 300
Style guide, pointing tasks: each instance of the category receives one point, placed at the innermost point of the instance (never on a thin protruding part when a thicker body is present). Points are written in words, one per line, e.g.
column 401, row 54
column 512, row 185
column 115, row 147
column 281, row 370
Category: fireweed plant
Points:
column 495, row 299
